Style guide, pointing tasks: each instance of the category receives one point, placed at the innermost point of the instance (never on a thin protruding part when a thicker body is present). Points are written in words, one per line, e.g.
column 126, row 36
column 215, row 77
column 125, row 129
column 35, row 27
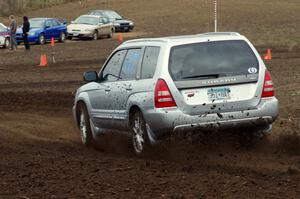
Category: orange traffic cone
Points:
column 268, row 56
column 120, row 37
column 43, row 62
column 52, row 42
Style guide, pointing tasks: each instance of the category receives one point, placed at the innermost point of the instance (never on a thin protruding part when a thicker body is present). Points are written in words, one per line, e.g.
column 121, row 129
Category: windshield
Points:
column 36, row 23
column 212, row 60
column 87, row 20
column 112, row 15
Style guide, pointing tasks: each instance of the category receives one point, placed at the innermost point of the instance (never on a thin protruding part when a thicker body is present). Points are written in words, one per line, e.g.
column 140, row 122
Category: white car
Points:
column 90, row 26
column 4, row 36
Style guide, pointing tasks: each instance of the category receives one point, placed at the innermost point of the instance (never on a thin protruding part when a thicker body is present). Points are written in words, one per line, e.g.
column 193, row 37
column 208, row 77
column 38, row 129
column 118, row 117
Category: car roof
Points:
column 103, row 10
column 95, row 16
column 178, row 40
column 40, row 18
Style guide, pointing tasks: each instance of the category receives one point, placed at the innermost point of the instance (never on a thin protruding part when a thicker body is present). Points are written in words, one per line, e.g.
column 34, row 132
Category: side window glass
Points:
column 48, row 23
column 101, row 20
column 112, row 68
column 130, row 64
column 149, row 62
column 55, row 23
column 105, row 21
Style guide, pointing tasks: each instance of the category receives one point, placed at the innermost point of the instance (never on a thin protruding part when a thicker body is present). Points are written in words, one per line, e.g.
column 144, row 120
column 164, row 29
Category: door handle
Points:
column 107, row 89
column 129, row 89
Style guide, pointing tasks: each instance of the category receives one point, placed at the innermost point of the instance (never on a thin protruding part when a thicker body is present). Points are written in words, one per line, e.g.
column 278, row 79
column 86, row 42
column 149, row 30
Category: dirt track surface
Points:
column 40, row 150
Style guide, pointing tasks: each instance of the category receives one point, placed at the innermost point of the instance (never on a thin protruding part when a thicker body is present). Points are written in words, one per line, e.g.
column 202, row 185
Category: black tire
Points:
column 111, row 34
column 70, row 37
column 86, row 134
column 95, row 35
column 140, row 139
column 6, row 43
column 42, row 39
column 62, row 37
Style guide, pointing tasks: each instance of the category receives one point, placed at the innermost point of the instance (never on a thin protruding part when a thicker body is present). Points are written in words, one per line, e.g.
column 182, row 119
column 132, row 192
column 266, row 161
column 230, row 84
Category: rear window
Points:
column 212, row 60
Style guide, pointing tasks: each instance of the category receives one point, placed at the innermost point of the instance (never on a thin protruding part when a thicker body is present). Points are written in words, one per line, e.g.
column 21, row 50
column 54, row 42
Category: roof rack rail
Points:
column 221, row 33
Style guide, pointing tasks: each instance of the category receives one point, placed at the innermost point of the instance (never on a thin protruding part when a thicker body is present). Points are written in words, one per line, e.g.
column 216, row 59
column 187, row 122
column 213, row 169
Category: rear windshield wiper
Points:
column 202, row 76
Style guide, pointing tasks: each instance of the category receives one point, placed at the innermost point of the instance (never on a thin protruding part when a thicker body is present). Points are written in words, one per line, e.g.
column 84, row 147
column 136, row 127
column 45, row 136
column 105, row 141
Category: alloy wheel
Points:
column 138, row 132
column 83, row 128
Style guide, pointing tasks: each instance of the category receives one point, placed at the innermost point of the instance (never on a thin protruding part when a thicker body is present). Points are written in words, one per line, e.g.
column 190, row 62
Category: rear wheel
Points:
column 62, row 37
column 42, row 39
column 6, row 43
column 140, row 140
column 84, row 126
column 111, row 34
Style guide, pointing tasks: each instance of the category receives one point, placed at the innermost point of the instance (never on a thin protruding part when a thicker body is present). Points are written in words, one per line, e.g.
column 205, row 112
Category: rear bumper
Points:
column 164, row 122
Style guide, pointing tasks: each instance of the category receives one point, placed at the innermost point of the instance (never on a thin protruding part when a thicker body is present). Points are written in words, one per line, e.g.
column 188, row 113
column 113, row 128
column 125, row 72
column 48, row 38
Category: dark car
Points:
column 121, row 24
column 43, row 29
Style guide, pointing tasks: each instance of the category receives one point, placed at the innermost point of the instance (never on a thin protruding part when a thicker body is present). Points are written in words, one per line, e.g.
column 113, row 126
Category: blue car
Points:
column 43, row 29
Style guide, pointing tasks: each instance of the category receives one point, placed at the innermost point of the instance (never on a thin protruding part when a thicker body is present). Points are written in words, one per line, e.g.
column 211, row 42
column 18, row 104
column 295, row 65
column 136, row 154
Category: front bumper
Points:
column 123, row 28
column 31, row 39
column 80, row 34
column 163, row 122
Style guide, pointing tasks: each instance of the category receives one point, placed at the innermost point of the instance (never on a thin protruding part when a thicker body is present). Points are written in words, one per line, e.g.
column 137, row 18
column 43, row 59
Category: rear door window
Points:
column 130, row 64
column 55, row 23
column 149, row 62
column 112, row 69
column 48, row 23
column 212, row 60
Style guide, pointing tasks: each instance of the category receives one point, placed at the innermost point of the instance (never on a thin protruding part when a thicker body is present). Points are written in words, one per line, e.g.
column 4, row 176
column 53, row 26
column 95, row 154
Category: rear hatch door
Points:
column 215, row 77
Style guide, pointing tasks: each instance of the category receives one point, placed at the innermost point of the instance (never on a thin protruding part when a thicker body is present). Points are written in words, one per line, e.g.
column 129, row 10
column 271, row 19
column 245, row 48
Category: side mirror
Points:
column 47, row 27
column 90, row 76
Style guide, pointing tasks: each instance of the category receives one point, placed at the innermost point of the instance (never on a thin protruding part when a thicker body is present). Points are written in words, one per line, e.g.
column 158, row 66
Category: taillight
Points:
column 268, row 89
column 163, row 97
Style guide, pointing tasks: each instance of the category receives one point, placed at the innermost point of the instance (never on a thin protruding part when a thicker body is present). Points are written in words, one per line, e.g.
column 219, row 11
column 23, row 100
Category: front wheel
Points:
column 42, row 39
column 95, row 35
column 86, row 134
column 140, row 140
column 111, row 34
column 6, row 43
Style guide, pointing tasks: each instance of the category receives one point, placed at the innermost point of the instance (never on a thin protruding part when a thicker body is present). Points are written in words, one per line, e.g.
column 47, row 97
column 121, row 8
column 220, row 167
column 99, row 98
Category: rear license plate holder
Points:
column 220, row 93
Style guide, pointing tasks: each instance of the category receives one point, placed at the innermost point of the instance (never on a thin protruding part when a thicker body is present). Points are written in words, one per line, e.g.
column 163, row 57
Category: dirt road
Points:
column 40, row 150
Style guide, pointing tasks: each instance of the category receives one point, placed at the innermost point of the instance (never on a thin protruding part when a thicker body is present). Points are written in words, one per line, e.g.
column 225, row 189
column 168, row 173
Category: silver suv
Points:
column 156, row 87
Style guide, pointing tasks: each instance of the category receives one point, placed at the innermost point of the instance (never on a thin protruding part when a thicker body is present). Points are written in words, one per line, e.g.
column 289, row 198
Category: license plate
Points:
column 222, row 93
column 75, row 34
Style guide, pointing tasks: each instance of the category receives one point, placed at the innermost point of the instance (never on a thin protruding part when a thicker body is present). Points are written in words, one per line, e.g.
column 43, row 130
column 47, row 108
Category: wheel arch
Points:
column 81, row 99
column 134, row 108
column 77, row 111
